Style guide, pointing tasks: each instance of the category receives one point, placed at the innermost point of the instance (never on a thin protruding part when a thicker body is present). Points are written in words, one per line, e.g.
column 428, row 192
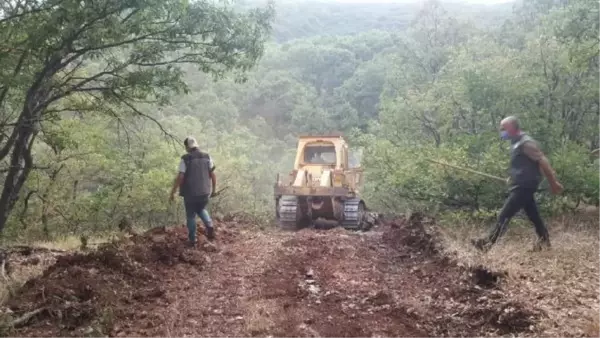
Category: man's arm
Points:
column 178, row 179
column 176, row 183
column 213, row 177
column 532, row 151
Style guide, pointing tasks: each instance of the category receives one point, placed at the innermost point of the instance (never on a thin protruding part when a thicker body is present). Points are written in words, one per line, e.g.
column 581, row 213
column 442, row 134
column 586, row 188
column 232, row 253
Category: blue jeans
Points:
column 196, row 206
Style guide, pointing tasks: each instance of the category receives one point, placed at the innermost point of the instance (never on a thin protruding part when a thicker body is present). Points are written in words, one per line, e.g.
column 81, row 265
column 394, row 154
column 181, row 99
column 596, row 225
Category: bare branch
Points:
column 30, row 12
column 26, row 207
column 120, row 123
column 138, row 112
column 16, row 71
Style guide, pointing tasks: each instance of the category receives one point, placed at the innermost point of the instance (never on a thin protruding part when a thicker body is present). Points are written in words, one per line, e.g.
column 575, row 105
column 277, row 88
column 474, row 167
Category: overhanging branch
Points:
column 140, row 113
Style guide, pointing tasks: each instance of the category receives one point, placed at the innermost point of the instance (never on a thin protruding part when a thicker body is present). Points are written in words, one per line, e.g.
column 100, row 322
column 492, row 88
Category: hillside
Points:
column 96, row 98
column 435, row 89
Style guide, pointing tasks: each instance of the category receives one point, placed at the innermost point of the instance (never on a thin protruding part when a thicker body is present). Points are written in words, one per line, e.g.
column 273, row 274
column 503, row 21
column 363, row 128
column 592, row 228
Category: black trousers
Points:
column 519, row 198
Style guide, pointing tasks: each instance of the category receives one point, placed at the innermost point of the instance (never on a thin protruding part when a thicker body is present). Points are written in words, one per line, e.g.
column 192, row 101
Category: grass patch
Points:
column 562, row 281
column 73, row 243
column 22, row 268
column 12, row 282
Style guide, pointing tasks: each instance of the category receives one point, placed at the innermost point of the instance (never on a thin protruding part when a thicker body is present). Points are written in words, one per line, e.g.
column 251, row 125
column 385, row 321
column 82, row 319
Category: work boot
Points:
column 481, row 244
column 190, row 245
column 210, row 233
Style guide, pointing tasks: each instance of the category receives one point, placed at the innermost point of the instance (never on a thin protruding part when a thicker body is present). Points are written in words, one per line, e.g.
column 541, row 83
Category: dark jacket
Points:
column 196, row 179
column 524, row 172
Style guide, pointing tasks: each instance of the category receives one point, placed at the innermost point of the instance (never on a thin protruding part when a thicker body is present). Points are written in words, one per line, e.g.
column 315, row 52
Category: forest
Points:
column 96, row 99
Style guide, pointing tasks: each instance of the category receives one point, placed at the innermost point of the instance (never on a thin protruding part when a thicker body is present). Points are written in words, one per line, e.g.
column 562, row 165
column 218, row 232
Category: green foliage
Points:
column 408, row 174
column 100, row 185
column 107, row 58
column 452, row 86
column 405, row 84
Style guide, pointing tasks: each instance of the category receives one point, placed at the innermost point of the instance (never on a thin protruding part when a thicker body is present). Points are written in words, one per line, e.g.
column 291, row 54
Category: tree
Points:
column 106, row 56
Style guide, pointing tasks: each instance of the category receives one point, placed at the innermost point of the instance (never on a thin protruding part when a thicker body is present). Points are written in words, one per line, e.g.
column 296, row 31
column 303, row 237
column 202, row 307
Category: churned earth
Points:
column 394, row 280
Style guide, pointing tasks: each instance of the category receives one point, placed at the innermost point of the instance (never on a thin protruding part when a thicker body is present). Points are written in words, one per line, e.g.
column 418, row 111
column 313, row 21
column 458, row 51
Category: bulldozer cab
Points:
column 321, row 152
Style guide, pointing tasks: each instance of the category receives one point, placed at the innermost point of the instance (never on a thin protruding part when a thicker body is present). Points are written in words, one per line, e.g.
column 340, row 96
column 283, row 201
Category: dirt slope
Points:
column 391, row 281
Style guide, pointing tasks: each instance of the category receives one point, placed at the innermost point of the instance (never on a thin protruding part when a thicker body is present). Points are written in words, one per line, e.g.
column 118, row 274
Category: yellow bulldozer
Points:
column 323, row 186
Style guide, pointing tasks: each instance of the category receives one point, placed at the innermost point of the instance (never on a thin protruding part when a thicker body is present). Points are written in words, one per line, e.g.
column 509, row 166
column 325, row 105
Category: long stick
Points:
column 500, row 179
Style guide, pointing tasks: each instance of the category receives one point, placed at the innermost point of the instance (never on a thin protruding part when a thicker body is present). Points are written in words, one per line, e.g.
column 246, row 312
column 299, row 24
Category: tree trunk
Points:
column 16, row 175
column 45, row 198
column 25, row 132
column 21, row 164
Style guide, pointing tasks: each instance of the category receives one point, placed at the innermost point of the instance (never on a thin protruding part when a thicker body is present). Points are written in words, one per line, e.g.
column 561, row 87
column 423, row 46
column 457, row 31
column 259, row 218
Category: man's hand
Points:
column 176, row 185
column 214, row 194
column 556, row 187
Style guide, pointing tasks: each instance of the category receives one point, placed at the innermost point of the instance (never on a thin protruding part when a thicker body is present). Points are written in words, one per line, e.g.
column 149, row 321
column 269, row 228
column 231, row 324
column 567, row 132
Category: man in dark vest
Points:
column 527, row 163
column 197, row 182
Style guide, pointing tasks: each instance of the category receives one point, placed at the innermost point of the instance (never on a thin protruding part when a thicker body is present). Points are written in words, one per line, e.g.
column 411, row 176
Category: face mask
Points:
column 504, row 135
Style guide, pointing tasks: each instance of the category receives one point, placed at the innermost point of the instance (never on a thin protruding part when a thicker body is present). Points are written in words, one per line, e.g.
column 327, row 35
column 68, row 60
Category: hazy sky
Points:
column 417, row 1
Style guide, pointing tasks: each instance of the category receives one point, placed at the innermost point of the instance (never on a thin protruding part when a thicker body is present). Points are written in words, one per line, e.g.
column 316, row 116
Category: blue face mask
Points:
column 504, row 135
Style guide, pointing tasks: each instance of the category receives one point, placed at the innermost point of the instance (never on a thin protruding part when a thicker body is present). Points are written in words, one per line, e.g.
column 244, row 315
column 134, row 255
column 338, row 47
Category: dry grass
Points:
column 65, row 243
column 71, row 243
column 562, row 282
column 16, row 279
column 21, row 271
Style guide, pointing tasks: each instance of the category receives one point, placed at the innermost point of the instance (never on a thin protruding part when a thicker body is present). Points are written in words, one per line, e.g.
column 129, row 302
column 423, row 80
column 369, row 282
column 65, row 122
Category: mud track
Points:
column 391, row 281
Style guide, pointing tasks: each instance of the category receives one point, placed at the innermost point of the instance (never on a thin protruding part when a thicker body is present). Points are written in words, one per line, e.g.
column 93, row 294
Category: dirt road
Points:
column 391, row 281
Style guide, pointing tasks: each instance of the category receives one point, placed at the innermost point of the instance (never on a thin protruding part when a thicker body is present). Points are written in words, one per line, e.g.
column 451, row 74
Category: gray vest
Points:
column 196, row 179
column 524, row 172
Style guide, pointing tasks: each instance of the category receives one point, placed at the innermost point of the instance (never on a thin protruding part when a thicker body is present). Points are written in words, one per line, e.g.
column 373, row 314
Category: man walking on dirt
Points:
column 197, row 182
column 527, row 163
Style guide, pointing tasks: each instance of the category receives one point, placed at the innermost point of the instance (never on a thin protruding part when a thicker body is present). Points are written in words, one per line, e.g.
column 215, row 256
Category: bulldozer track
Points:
column 288, row 212
column 290, row 218
column 354, row 214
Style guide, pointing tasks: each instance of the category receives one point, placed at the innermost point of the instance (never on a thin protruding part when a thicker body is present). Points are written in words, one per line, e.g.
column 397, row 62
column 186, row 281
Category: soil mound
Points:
column 84, row 293
column 465, row 301
column 415, row 233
